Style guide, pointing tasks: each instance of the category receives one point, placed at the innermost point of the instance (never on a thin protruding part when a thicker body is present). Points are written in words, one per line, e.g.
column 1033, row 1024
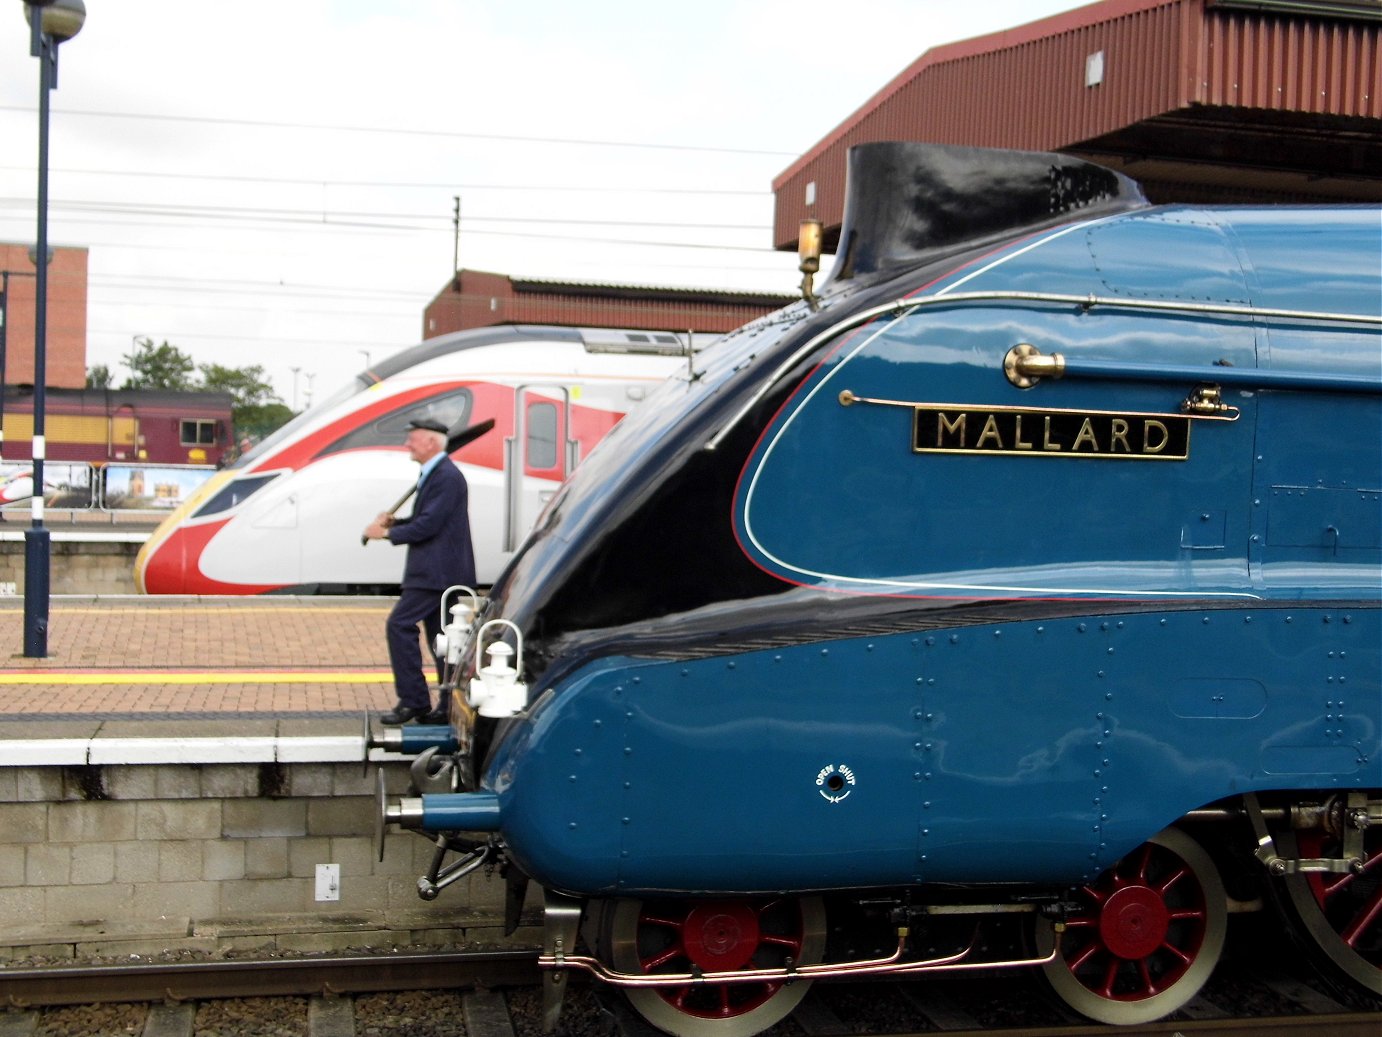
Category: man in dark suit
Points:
column 439, row 556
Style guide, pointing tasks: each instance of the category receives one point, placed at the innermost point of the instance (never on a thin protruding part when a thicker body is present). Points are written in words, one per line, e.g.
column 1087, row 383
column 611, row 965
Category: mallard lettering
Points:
column 1034, row 433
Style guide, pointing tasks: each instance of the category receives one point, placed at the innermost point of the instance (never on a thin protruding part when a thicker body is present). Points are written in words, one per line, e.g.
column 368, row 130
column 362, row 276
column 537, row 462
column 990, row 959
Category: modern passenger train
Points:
column 1013, row 602
column 287, row 516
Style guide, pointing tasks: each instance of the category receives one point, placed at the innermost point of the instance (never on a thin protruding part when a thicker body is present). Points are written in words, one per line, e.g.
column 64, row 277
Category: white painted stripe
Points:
column 182, row 750
column 378, row 755
column 80, row 537
column 322, row 749
column 1037, row 243
column 47, row 752
column 76, row 752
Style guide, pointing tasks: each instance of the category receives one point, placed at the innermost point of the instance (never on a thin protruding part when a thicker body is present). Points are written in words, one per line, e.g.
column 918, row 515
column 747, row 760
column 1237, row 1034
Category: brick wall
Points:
column 137, row 860
column 65, row 348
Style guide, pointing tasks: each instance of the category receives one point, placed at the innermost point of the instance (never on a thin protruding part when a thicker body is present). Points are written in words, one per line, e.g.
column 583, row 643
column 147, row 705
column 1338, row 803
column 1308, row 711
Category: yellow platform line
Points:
column 199, row 677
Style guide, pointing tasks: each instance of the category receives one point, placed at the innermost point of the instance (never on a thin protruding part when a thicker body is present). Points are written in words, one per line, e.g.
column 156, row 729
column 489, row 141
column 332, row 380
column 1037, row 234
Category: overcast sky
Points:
column 272, row 182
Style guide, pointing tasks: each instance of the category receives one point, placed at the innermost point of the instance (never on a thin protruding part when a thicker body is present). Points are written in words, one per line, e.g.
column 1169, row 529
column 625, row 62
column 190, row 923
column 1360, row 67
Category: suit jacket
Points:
column 438, row 532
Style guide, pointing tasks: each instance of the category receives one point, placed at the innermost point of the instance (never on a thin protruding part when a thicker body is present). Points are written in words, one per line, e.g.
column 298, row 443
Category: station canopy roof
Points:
column 1201, row 101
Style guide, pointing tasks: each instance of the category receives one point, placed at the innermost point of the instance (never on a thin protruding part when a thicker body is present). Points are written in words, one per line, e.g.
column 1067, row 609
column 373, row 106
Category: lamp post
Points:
column 50, row 23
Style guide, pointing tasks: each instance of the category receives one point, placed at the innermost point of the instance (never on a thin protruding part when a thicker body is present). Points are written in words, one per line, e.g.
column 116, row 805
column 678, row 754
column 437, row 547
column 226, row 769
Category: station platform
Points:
column 189, row 774
column 119, row 657
column 193, row 679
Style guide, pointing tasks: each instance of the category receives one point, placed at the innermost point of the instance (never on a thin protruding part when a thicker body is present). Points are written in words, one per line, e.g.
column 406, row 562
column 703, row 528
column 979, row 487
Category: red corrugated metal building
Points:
column 477, row 299
column 1198, row 100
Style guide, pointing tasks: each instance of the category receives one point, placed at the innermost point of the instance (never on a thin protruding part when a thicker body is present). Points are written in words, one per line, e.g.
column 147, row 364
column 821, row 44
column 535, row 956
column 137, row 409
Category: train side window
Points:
column 542, row 436
column 450, row 408
column 197, row 432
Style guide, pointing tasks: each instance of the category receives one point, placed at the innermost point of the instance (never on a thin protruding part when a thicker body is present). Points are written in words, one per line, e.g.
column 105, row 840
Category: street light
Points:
column 51, row 22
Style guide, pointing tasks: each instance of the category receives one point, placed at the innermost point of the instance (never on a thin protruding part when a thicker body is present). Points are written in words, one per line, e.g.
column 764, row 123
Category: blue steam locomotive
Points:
column 1023, row 578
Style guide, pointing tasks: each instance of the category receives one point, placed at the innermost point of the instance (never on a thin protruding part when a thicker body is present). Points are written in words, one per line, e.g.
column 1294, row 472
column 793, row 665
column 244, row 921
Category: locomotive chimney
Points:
column 905, row 200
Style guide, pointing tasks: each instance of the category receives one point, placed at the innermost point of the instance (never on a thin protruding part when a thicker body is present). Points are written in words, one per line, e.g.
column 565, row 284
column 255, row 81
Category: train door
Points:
column 122, row 435
column 537, row 457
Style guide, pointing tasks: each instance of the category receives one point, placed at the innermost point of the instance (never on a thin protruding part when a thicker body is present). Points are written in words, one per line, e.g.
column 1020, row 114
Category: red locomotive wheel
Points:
column 678, row 936
column 1151, row 932
column 1341, row 914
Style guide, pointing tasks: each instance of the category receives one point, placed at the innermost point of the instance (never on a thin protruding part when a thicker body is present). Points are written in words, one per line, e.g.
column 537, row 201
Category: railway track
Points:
column 496, row 994
column 195, row 980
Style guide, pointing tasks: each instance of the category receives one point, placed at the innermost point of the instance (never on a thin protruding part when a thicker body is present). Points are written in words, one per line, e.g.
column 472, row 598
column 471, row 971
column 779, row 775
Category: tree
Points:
column 248, row 386
column 255, row 408
column 256, row 422
column 158, row 367
column 98, row 377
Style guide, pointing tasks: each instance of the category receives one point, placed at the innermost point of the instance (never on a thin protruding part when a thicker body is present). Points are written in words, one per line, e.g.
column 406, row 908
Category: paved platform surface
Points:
column 186, row 658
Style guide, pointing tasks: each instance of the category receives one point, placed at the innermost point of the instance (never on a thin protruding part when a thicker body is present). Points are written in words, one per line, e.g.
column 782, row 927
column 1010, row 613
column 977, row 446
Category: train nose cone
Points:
column 161, row 565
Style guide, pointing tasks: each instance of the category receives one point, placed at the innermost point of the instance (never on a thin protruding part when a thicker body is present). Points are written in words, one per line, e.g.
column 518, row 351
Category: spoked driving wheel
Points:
column 1340, row 914
column 1150, row 933
column 676, row 936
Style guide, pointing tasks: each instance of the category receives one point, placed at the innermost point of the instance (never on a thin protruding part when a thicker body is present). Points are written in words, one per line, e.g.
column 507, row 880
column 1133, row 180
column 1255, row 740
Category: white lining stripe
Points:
column 885, row 585
column 76, row 752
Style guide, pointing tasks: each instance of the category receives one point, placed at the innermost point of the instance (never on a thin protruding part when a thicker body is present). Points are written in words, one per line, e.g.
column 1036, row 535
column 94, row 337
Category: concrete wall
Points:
column 126, row 860
column 75, row 567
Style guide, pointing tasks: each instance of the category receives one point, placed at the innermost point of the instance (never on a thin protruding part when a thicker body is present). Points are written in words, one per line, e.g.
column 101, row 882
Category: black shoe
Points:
column 401, row 714
column 437, row 716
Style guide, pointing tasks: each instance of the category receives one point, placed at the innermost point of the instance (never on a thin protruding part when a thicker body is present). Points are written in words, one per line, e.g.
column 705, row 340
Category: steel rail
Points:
column 205, row 980
column 27, row 988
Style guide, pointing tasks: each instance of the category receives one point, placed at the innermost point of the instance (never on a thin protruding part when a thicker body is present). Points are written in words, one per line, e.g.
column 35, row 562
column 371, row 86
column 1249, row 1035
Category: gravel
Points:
column 93, row 1021
column 419, row 1013
column 253, row 1017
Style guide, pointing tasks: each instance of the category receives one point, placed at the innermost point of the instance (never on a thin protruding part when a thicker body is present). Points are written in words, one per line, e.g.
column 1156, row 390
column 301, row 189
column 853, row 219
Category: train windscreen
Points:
column 451, row 408
column 286, row 432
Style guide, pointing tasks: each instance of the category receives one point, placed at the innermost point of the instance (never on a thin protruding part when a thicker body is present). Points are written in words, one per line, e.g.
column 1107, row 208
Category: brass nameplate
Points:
column 1033, row 432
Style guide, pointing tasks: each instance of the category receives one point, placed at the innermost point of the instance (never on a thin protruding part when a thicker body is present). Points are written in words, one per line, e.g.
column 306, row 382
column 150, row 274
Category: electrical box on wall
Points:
column 328, row 882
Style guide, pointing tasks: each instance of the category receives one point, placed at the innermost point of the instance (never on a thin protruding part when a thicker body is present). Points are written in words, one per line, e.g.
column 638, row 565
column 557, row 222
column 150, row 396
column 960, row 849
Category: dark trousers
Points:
column 415, row 605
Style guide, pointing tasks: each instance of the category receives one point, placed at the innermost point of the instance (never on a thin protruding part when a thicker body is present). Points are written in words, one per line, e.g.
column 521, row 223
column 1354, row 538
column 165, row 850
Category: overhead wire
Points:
column 405, row 131
column 338, row 217
column 284, row 339
column 438, row 185
column 386, row 224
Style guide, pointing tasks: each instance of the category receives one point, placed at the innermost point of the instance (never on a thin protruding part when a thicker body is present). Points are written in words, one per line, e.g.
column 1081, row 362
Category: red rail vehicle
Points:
column 131, row 425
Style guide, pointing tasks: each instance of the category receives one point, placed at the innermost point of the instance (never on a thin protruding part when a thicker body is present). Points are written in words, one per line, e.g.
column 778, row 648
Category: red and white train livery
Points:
column 287, row 516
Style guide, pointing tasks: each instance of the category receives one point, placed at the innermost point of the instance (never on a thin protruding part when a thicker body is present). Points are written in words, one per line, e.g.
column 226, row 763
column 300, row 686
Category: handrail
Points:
column 898, row 307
